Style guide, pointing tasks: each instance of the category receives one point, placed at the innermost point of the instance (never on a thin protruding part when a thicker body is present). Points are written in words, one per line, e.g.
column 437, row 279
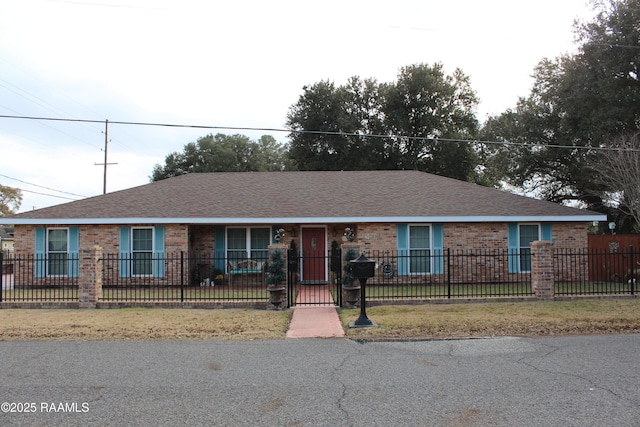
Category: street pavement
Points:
column 564, row 381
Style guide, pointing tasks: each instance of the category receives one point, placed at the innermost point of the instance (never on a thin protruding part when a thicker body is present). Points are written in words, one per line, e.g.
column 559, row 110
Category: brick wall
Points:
column 105, row 236
column 376, row 237
column 382, row 236
column 202, row 239
column 570, row 235
column 373, row 236
column 475, row 236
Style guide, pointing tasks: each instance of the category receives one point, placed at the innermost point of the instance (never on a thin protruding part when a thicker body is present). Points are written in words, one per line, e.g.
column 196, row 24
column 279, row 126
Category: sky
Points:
column 228, row 64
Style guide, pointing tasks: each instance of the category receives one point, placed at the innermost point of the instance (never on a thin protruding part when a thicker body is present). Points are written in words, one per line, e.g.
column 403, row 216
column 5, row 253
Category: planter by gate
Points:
column 277, row 274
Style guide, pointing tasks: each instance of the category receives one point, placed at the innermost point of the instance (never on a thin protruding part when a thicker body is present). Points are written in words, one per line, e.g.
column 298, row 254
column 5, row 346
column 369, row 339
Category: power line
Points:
column 45, row 194
column 42, row 186
column 120, row 6
column 314, row 132
column 41, row 103
column 48, row 105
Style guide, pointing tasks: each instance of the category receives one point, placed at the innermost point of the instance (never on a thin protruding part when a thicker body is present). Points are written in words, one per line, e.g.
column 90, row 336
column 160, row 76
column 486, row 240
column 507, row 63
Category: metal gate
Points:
column 314, row 278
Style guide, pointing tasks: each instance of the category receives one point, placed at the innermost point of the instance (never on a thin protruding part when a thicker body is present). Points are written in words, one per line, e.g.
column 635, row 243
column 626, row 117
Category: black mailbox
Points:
column 362, row 268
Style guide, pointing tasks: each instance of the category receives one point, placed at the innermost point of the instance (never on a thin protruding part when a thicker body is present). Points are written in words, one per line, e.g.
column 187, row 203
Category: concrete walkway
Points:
column 314, row 321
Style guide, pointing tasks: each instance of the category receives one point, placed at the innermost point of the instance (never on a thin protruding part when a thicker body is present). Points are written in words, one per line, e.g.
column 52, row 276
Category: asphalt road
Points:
column 566, row 381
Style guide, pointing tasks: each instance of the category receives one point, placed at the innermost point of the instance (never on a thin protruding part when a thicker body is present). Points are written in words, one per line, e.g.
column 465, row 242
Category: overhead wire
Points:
column 42, row 186
column 17, row 92
column 45, row 194
column 30, row 97
column 318, row 132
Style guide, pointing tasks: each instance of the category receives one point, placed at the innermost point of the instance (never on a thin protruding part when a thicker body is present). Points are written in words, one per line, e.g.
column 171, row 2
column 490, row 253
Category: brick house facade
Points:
column 235, row 215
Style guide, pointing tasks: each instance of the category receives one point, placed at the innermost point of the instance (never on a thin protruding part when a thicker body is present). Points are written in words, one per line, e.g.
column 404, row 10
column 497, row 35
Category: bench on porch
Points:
column 246, row 268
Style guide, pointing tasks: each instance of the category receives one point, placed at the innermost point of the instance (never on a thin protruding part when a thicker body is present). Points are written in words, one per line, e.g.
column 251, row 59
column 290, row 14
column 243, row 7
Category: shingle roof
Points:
column 305, row 196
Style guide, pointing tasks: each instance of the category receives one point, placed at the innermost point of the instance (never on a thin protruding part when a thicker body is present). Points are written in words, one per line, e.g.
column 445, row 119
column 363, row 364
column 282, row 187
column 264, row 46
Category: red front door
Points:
column 314, row 255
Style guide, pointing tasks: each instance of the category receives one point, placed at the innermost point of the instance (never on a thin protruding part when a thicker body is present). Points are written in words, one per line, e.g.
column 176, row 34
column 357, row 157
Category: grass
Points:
column 142, row 324
column 536, row 318
column 404, row 322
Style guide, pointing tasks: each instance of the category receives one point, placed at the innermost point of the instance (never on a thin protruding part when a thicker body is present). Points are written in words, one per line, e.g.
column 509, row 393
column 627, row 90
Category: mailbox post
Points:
column 362, row 269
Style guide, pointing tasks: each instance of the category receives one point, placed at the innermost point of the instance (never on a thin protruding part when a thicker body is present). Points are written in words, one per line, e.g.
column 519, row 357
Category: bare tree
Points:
column 619, row 170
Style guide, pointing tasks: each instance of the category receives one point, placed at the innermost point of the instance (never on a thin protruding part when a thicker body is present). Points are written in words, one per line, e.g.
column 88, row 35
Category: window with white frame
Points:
column 142, row 251
column 57, row 255
column 527, row 233
column 419, row 249
column 248, row 242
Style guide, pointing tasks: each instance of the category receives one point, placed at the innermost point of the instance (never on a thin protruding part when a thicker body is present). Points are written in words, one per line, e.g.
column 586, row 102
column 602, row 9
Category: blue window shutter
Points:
column 40, row 261
column 158, row 251
column 125, row 252
column 438, row 248
column 402, row 238
column 219, row 256
column 74, row 244
column 514, row 261
column 546, row 231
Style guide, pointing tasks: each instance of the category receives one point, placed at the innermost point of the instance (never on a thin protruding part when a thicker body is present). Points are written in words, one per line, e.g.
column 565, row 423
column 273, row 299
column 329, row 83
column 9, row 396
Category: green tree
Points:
column 422, row 108
column 366, row 125
column 224, row 153
column 10, row 200
column 583, row 101
column 331, row 126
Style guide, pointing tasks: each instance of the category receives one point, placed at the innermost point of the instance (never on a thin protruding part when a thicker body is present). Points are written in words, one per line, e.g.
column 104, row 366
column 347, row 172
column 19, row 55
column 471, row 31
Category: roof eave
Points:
column 304, row 220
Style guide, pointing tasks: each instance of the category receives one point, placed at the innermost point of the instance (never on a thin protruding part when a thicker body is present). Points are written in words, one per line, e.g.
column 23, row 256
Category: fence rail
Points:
column 446, row 274
column 38, row 278
column 416, row 275
column 179, row 277
column 595, row 272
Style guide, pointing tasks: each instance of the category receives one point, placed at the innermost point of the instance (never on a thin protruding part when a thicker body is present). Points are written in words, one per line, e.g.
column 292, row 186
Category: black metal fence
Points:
column 38, row 278
column 182, row 278
column 447, row 274
column 416, row 275
column 596, row 272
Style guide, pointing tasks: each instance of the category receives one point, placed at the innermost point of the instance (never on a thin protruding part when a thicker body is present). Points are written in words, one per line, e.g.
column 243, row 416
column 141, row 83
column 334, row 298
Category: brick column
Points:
column 90, row 277
column 542, row 269
column 350, row 292
column 282, row 295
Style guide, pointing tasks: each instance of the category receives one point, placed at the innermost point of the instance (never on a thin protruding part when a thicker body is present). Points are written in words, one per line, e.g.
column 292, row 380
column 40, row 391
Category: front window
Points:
column 527, row 233
column 419, row 249
column 260, row 243
column 251, row 242
column 142, row 251
column 57, row 252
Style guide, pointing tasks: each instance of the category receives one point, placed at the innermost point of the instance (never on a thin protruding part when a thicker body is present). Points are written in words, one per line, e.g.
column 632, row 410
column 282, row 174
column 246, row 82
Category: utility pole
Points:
column 106, row 144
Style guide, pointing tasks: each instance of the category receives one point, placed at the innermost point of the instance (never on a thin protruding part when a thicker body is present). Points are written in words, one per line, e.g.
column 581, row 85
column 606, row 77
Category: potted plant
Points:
column 275, row 278
column 349, row 285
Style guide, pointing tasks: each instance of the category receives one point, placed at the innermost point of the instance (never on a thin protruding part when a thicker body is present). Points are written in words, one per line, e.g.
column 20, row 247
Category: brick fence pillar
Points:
column 542, row 269
column 90, row 277
column 279, row 298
